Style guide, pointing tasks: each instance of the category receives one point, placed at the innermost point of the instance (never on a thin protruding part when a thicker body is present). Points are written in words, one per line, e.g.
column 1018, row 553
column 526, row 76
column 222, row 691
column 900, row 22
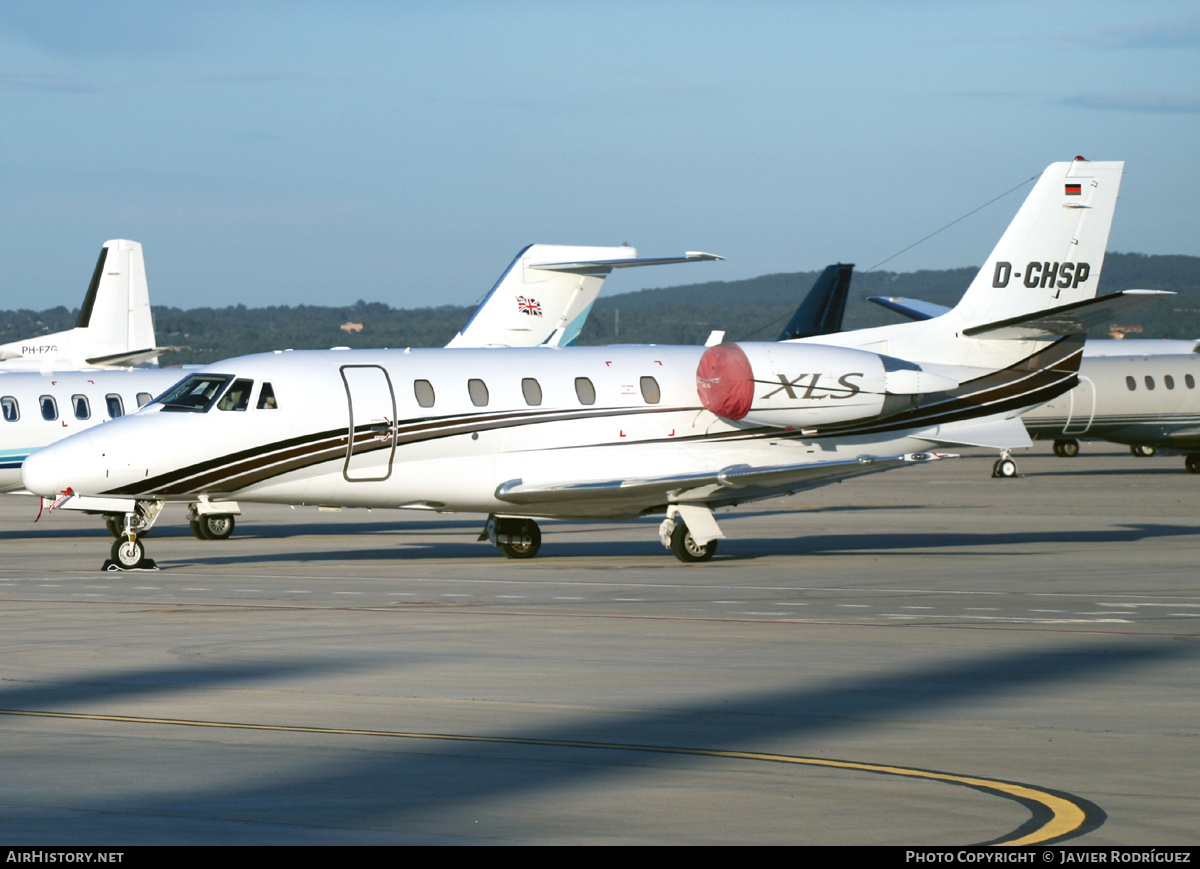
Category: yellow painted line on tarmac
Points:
column 1056, row 815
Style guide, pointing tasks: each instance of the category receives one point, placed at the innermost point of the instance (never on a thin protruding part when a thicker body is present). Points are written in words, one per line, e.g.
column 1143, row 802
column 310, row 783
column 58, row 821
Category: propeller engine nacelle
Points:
column 807, row 386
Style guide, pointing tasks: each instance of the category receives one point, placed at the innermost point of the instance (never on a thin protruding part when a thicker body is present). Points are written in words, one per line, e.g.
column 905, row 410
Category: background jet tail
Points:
column 821, row 311
column 545, row 295
column 1052, row 253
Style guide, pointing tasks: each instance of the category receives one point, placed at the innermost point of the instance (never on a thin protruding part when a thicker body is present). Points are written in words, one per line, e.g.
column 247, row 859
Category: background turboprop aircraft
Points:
column 541, row 298
column 618, row 432
column 115, row 328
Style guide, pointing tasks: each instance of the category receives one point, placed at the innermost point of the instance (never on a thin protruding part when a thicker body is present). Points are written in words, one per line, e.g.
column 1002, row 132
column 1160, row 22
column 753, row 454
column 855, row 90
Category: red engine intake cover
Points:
column 725, row 381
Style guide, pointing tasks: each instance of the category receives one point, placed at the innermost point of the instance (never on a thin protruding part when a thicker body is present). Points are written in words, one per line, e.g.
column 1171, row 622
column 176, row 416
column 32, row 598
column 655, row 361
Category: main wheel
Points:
column 1192, row 463
column 1067, row 448
column 199, row 528
column 1142, row 451
column 128, row 553
column 216, row 526
column 685, row 547
column 1004, row 468
column 525, row 546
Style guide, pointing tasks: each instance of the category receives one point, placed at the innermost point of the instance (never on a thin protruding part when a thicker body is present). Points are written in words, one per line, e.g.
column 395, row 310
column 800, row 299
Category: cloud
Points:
column 47, row 83
column 1138, row 101
column 1183, row 32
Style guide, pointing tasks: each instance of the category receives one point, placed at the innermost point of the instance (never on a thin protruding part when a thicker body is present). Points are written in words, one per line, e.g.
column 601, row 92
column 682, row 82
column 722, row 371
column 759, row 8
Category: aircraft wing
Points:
column 1073, row 319
column 730, row 484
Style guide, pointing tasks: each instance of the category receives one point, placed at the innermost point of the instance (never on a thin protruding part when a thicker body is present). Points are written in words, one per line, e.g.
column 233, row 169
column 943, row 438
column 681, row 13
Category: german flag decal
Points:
column 1074, row 189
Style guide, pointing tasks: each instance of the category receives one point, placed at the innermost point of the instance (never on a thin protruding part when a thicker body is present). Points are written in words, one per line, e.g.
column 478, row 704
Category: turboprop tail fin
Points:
column 115, row 327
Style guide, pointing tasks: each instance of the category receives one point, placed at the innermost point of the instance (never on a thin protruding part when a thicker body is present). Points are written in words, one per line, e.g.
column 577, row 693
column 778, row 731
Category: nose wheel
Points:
column 128, row 554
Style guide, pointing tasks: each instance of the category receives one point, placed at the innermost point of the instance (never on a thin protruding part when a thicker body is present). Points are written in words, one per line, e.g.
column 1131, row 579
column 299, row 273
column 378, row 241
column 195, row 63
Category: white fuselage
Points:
column 1137, row 400
column 39, row 409
column 539, row 416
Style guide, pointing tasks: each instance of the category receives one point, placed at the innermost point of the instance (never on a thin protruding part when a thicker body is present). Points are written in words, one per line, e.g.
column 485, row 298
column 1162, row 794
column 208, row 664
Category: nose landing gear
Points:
column 127, row 551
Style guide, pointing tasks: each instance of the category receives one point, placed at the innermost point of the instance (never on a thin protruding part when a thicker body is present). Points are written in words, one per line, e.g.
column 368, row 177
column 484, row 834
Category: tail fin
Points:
column 545, row 295
column 821, row 311
column 116, row 313
column 115, row 326
column 1052, row 253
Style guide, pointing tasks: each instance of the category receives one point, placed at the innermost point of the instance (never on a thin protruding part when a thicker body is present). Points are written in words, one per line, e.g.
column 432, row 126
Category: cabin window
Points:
column 115, row 406
column 477, row 389
column 237, row 397
column 49, row 408
column 584, row 391
column 266, row 398
column 1189, row 381
column 144, row 398
column 82, row 409
column 196, row 393
column 12, row 412
column 650, row 390
column 1168, row 381
column 423, row 390
column 532, row 391
column 1131, row 383
column 1149, row 382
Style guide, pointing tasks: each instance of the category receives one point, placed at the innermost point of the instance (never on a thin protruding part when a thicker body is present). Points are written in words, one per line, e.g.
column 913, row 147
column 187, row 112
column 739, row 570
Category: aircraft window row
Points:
column 531, row 390
column 10, row 409
column 1168, row 381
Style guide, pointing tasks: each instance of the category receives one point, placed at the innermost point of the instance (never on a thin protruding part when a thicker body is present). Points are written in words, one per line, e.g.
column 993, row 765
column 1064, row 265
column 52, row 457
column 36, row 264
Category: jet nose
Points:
column 53, row 469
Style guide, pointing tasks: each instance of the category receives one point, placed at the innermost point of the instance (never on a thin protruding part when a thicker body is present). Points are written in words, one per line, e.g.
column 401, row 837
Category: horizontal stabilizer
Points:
column 1072, row 319
column 914, row 309
column 133, row 357
column 726, row 484
column 992, row 432
column 604, row 266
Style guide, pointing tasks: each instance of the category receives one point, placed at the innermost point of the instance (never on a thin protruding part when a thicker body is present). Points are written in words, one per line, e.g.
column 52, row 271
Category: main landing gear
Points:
column 1192, row 463
column 210, row 526
column 689, row 531
column 516, row 538
column 1005, row 467
column 1142, row 451
column 1066, row 448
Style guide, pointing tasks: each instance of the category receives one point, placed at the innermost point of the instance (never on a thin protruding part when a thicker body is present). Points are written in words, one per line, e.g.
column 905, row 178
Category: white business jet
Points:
column 541, row 298
column 618, row 432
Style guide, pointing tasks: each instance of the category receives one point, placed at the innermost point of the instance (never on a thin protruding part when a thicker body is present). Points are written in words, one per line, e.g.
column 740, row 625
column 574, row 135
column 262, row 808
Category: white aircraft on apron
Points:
column 618, row 432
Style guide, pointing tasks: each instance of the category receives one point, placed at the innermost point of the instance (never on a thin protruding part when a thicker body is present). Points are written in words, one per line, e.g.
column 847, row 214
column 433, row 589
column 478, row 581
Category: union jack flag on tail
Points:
column 529, row 307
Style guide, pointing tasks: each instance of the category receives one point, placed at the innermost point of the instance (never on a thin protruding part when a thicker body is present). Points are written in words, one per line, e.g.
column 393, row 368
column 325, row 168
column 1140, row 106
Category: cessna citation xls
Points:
column 542, row 298
column 618, row 432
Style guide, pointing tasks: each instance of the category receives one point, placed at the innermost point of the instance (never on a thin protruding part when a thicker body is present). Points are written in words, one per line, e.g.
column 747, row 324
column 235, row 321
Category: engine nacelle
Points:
column 805, row 386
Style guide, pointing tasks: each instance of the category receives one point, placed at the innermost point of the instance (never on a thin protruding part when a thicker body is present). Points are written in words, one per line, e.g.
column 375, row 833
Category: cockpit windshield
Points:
column 195, row 394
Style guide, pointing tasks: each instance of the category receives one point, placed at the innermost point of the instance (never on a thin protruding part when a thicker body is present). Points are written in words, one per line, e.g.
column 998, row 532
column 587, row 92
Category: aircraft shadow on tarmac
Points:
column 641, row 545
column 375, row 785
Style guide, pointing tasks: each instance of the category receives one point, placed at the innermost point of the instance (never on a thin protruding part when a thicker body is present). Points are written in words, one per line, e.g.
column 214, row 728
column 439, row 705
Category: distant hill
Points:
column 756, row 308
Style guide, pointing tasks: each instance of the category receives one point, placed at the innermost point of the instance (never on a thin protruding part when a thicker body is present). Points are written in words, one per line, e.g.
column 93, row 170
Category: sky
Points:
column 275, row 153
